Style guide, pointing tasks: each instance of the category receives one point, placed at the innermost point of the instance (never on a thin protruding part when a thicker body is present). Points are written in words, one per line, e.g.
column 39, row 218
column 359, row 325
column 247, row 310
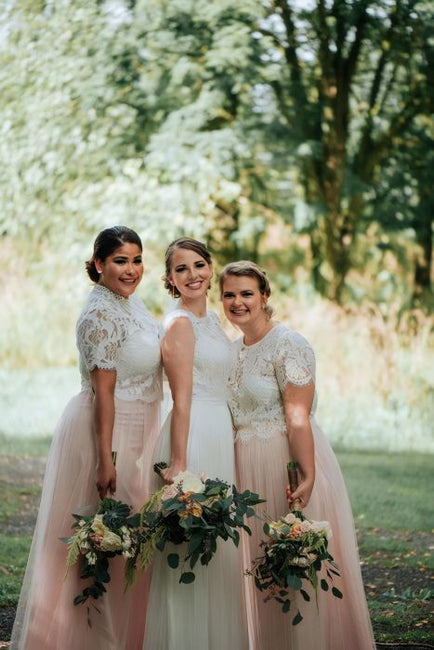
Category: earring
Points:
column 172, row 291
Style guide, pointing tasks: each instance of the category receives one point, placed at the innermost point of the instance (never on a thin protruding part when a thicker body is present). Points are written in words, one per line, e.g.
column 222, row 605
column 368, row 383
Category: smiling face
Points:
column 243, row 302
column 121, row 271
column 190, row 273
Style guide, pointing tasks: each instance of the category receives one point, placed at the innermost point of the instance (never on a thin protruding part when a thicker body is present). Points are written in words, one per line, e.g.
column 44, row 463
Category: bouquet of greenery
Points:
column 295, row 550
column 195, row 511
column 111, row 531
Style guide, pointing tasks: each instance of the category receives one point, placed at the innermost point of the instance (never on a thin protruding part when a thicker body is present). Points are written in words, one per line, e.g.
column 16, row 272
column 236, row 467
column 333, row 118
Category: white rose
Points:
column 190, row 482
column 322, row 527
column 290, row 518
column 111, row 542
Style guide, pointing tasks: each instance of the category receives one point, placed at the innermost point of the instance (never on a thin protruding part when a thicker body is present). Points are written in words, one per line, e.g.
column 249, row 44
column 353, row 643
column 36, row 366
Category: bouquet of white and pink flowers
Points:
column 295, row 550
column 111, row 531
column 195, row 511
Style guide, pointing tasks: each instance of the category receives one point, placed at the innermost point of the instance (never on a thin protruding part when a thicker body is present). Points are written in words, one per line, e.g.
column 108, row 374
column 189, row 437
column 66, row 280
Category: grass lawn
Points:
column 393, row 515
column 393, row 510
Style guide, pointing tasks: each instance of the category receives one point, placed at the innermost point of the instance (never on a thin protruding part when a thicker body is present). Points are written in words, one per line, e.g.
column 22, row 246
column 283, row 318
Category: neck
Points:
column 197, row 306
column 257, row 331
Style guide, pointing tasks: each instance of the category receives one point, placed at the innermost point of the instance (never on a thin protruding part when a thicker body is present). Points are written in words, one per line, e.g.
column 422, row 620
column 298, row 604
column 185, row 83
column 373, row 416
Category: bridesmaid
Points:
column 273, row 401
column 117, row 410
column 197, row 356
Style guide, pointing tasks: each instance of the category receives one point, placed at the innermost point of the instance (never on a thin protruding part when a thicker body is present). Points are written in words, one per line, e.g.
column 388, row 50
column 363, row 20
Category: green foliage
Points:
column 290, row 555
column 194, row 512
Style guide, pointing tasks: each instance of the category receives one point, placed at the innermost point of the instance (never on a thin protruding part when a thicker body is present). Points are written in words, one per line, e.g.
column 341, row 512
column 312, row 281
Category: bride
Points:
column 197, row 436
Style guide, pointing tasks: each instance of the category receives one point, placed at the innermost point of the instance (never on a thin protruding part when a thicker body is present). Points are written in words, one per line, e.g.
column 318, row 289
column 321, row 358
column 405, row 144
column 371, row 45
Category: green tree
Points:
column 325, row 86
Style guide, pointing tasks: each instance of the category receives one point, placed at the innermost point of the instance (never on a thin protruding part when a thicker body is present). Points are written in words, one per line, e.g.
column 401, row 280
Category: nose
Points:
column 130, row 268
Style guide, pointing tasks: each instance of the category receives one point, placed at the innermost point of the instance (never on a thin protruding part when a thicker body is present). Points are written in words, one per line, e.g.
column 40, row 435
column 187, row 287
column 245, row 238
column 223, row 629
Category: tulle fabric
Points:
column 209, row 613
column 336, row 624
column 46, row 617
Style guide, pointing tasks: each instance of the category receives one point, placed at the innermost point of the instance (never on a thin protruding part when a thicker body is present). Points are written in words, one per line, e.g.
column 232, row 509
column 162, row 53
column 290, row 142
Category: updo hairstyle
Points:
column 251, row 270
column 189, row 244
column 106, row 243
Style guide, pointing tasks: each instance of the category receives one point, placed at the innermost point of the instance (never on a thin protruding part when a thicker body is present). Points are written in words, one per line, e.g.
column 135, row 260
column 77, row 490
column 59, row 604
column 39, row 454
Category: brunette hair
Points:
column 251, row 270
column 106, row 243
column 189, row 244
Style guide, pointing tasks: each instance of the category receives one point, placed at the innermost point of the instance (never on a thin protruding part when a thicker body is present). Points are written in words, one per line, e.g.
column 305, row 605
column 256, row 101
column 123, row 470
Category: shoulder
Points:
column 178, row 329
column 104, row 315
column 286, row 335
column 177, row 317
column 288, row 342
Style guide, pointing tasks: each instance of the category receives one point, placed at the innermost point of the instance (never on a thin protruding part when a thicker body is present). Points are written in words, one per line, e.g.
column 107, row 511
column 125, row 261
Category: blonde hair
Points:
column 245, row 268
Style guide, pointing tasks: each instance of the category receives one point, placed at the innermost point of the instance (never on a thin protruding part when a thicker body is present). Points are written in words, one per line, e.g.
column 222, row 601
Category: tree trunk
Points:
column 423, row 262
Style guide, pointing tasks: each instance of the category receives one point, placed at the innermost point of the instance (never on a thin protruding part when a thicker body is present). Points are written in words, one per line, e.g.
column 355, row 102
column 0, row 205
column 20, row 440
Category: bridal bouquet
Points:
column 109, row 532
column 295, row 549
column 195, row 511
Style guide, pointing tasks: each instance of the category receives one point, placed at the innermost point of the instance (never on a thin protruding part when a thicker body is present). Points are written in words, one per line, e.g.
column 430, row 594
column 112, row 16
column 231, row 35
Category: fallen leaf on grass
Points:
column 4, row 570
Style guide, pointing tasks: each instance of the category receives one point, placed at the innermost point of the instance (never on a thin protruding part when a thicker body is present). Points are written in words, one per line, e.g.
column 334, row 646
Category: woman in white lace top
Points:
column 117, row 410
column 197, row 436
column 273, row 400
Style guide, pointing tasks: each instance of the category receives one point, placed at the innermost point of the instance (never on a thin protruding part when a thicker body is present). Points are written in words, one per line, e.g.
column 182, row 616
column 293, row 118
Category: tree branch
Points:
column 291, row 52
column 350, row 65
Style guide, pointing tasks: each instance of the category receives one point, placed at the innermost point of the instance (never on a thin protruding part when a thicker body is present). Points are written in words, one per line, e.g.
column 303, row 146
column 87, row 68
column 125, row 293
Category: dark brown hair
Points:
column 106, row 243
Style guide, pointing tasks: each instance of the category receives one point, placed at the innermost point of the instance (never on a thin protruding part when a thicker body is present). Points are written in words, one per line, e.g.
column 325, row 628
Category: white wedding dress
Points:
column 209, row 613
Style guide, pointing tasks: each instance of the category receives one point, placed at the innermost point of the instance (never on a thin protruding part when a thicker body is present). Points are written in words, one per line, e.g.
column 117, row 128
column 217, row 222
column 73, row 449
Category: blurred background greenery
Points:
column 295, row 133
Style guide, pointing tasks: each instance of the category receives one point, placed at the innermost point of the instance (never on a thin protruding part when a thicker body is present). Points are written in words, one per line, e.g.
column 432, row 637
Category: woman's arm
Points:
column 297, row 402
column 178, row 351
column 103, row 385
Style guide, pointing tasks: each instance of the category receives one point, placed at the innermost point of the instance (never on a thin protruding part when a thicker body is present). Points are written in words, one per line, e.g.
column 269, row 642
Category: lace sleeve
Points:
column 99, row 339
column 295, row 361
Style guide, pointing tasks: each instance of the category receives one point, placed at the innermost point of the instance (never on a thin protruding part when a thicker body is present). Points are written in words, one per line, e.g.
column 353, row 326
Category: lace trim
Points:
column 104, row 326
column 259, row 377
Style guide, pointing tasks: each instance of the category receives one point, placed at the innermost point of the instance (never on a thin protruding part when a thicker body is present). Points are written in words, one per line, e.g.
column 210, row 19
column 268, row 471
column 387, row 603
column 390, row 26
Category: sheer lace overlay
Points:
column 116, row 333
column 255, row 396
column 213, row 355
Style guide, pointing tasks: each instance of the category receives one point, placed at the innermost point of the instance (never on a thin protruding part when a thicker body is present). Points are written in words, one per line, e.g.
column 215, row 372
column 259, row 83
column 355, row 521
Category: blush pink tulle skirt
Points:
column 46, row 617
column 336, row 624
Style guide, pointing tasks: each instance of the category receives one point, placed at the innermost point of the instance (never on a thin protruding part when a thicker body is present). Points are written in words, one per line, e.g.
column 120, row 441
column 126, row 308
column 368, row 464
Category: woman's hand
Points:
column 169, row 473
column 301, row 494
column 106, row 478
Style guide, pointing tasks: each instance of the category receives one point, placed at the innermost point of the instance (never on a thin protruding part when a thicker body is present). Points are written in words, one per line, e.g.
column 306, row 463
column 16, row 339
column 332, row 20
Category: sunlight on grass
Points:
column 390, row 490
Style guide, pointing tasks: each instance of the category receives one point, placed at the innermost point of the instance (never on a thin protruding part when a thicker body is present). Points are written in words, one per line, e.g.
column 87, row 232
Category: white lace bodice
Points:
column 259, row 377
column 116, row 333
column 213, row 355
